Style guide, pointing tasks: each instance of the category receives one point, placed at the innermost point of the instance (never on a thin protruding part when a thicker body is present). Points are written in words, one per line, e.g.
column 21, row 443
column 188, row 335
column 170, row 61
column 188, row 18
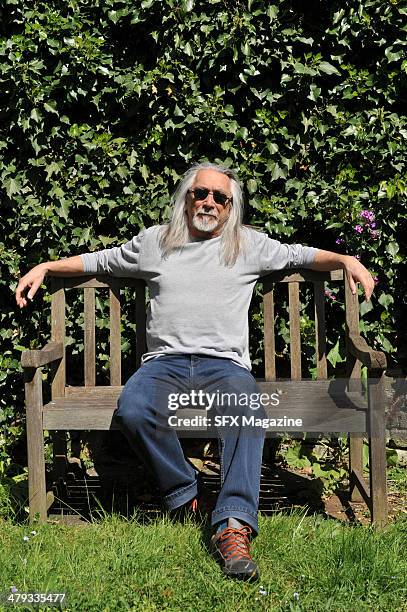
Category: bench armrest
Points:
column 359, row 348
column 37, row 358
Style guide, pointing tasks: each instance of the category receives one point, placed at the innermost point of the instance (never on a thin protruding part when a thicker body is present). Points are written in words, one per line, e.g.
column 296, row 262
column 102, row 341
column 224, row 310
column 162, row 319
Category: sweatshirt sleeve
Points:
column 123, row 260
column 273, row 255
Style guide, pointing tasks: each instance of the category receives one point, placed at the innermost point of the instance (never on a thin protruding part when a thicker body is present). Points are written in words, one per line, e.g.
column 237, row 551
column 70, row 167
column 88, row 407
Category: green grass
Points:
column 117, row 565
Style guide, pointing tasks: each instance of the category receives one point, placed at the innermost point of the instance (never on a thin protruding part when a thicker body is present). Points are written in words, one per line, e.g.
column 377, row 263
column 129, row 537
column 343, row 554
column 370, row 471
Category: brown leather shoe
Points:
column 232, row 549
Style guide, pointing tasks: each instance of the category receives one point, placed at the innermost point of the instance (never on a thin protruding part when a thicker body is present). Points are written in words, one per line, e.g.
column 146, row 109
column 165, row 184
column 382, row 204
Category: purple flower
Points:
column 357, row 257
column 373, row 225
column 358, row 229
column 330, row 295
column 376, row 280
column 13, row 589
column 368, row 215
column 339, row 241
column 374, row 234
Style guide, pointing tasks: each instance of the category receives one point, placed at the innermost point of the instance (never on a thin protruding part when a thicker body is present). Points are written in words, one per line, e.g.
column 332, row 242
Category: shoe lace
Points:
column 234, row 543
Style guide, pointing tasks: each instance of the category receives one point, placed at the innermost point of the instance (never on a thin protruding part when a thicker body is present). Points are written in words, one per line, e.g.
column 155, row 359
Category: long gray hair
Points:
column 175, row 234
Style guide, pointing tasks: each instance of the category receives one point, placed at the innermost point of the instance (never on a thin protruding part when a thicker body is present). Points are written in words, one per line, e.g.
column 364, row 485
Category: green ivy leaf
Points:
column 334, row 355
column 328, row 68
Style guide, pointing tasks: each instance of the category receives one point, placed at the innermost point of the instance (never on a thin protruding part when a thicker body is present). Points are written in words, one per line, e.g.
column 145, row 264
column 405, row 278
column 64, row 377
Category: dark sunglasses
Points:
column 201, row 193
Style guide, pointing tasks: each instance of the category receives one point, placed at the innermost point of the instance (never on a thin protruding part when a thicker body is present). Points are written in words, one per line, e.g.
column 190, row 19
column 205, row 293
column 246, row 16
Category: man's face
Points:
column 206, row 217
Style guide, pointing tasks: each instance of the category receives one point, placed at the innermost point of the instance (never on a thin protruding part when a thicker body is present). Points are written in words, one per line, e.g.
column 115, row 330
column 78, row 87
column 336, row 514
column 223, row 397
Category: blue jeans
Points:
column 143, row 409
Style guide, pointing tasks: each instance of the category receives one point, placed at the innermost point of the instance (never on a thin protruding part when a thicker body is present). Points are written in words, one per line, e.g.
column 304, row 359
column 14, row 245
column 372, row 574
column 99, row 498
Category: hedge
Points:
column 104, row 104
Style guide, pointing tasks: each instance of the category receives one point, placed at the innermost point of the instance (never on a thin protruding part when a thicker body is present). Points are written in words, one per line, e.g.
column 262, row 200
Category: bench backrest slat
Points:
column 90, row 341
column 295, row 337
column 292, row 280
column 269, row 335
column 352, row 327
column 58, row 334
column 115, row 337
column 320, row 332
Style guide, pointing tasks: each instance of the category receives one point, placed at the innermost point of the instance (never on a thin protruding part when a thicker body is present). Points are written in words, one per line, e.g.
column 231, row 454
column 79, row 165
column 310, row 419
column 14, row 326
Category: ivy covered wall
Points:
column 104, row 104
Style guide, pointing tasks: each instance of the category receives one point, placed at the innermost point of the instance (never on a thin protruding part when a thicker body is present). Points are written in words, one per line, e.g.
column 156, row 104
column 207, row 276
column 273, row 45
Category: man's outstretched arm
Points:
column 72, row 266
column 356, row 272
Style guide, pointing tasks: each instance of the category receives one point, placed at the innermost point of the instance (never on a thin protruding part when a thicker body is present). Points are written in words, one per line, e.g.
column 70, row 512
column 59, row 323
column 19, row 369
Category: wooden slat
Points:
column 295, row 339
column 59, row 441
column 320, row 331
column 58, row 333
column 300, row 399
column 362, row 488
column 269, row 336
column 377, row 452
column 333, row 392
column 141, row 344
column 282, row 276
column 90, row 350
column 100, row 282
column 35, row 445
column 299, row 276
column 115, row 337
column 353, row 371
column 352, row 327
column 100, row 391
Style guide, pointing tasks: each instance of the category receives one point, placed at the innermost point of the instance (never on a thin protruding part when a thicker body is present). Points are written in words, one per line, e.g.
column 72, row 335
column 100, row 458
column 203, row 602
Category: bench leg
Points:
column 377, row 453
column 35, row 446
column 355, row 465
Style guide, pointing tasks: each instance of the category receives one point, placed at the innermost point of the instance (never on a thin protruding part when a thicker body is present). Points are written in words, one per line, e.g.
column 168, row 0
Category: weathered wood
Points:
column 58, row 333
column 98, row 416
column 355, row 466
column 59, row 446
column 141, row 343
column 99, row 391
column 50, row 498
column 90, row 348
column 295, row 338
column 269, row 336
column 37, row 358
column 323, row 406
column 353, row 368
column 377, row 452
column 100, row 282
column 35, row 445
column 300, row 399
column 299, row 276
column 373, row 360
column 360, row 484
column 331, row 394
column 320, row 332
column 115, row 337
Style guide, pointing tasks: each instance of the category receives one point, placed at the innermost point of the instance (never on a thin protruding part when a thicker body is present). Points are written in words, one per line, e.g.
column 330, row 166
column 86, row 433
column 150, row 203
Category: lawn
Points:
column 307, row 563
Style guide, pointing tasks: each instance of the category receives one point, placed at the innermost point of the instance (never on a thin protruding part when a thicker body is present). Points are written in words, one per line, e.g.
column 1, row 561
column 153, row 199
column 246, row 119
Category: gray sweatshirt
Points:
column 197, row 304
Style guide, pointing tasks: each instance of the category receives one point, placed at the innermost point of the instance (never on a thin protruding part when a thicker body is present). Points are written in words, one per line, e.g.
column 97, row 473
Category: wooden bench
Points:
column 90, row 407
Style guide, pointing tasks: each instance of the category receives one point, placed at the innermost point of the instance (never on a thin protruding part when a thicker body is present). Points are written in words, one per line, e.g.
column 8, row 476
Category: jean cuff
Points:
column 180, row 496
column 226, row 513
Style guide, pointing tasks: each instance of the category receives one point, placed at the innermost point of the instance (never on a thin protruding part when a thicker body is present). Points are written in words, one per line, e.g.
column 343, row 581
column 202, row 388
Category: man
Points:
column 200, row 269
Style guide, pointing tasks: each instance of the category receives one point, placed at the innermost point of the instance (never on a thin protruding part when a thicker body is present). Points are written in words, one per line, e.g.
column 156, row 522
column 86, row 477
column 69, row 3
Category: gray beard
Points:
column 204, row 223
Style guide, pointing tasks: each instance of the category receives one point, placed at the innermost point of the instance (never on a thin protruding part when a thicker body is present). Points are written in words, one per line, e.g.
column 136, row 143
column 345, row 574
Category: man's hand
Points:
column 72, row 266
column 32, row 281
column 355, row 271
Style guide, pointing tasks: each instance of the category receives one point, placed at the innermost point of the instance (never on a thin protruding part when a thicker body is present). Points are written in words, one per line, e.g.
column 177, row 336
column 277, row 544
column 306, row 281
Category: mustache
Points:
column 202, row 212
